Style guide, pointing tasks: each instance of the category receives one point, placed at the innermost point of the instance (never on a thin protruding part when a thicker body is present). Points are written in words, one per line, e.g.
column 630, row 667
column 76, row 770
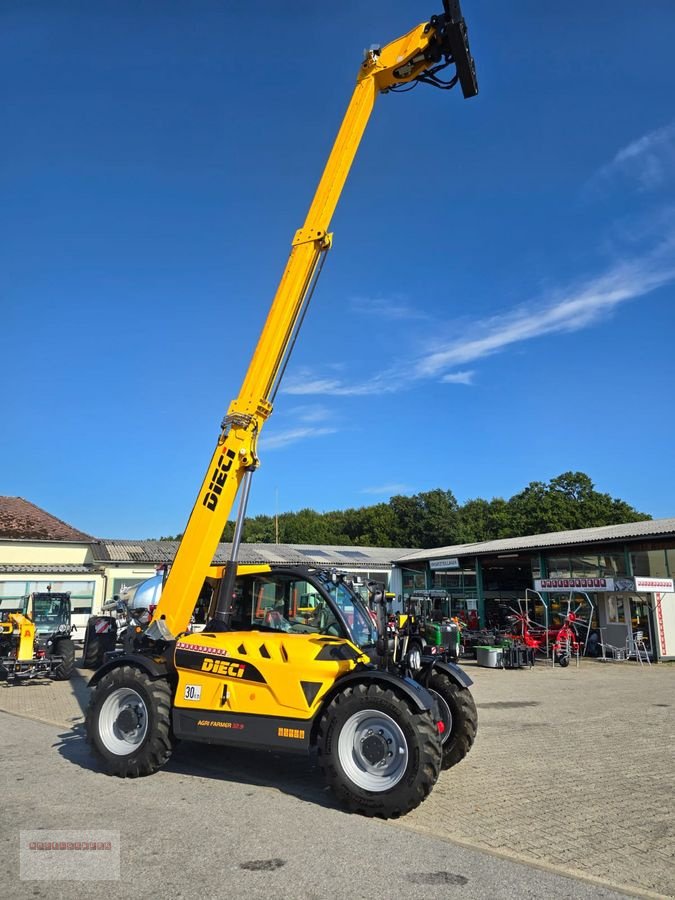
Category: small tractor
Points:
column 35, row 639
column 411, row 645
column 424, row 628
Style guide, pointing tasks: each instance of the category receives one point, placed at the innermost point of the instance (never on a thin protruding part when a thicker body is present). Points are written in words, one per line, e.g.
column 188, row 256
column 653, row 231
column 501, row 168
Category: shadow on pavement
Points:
column 295, row 775
column 79, row 688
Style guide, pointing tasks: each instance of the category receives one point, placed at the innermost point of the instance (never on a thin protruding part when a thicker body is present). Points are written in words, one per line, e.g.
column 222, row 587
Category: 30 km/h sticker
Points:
column 193, row 692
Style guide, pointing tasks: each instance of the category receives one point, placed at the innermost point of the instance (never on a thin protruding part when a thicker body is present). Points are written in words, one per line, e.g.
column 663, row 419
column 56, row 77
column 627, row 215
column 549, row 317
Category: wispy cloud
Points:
column 305, row 383
column 307, row 419
column 465, row 377
column 387, row 490
column 648, row 161
column 580, row 306
column 395, row 308
column 293, row 435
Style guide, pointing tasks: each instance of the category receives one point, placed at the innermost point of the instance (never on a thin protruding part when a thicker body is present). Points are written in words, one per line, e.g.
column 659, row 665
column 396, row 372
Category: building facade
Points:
column 619, row 576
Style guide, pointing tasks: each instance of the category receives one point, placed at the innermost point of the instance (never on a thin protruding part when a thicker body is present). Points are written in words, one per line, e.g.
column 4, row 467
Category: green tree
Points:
column 567, row 502
column 483, row 520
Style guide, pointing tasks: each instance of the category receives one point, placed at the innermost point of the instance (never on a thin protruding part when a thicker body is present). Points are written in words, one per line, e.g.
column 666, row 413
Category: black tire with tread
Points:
column 65, row 648
column 94, row 648
column 464, row 718
column 424, row 751
column 158, row 744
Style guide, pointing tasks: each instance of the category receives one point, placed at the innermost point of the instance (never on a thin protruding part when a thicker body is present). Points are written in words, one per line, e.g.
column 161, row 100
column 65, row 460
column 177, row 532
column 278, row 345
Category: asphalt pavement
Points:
column 571, row 775
column 223, row 823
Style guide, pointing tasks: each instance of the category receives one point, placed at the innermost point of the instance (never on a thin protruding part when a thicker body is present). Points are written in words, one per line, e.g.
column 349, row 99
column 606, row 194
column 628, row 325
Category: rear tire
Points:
column 96, row 646
column 380, row 755
column 459, row 715
column 65, row 648
column 129, row 722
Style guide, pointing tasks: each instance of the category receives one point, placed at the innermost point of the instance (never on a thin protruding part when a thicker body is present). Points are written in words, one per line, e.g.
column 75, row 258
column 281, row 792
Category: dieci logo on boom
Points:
column 222, row 667
column 218, row 480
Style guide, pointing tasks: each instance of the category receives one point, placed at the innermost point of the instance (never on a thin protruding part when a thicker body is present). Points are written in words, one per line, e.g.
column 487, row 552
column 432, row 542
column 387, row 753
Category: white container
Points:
column 489, row 657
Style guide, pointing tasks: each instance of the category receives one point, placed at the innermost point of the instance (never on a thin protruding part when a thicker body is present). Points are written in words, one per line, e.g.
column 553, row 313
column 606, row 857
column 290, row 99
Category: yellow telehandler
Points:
column 249, row 679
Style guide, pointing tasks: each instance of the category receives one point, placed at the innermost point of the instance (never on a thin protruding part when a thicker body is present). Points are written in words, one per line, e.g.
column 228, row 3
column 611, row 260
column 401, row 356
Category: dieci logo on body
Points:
column 222, row 667
column 218, row 480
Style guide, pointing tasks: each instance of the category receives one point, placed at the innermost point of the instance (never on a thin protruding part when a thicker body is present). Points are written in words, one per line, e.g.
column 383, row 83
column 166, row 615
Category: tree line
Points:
column 435, row 519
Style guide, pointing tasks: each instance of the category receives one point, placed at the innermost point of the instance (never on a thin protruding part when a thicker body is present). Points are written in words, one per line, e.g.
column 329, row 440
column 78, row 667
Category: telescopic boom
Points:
column 416, row 57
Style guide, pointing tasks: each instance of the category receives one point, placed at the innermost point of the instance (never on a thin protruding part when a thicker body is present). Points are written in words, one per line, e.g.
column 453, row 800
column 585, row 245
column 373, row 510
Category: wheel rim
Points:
column 446, row 715
column 372, row 750
column 123, row 721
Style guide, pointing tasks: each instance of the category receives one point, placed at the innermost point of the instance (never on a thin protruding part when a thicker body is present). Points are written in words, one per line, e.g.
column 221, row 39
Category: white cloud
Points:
column 561, row 312
column 305, row 383
column 310, row 413
column 580, row 307
column 306, row 428
column 649, row 160
column 464, row 377
column 293, row 435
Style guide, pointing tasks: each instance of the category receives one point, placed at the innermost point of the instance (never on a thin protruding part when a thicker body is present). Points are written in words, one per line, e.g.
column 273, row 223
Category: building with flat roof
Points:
column 620, row 576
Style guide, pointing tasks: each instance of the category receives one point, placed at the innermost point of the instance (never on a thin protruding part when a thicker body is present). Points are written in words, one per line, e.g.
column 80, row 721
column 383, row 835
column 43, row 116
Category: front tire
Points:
column 459, row 716
column 129, row 722
column 380, row 755
column 65, row 648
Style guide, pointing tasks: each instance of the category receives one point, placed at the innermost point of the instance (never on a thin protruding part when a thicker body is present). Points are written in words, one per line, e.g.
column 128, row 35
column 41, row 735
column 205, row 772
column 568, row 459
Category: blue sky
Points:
column 497, row 307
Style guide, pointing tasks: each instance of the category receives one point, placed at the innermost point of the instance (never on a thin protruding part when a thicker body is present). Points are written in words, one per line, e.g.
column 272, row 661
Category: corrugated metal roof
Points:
column 31, row 569
column 158, row 552
column 628, row 531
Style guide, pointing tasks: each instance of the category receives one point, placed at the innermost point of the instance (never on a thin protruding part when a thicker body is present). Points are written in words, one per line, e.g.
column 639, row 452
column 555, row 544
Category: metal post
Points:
column 222, row 613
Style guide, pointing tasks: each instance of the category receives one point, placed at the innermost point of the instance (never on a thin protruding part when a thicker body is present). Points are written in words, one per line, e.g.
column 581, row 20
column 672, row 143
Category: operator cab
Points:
column 51, row 612
column 300, row 602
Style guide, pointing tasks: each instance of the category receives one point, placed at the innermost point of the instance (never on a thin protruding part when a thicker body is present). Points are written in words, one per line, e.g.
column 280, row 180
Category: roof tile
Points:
column 21, row 520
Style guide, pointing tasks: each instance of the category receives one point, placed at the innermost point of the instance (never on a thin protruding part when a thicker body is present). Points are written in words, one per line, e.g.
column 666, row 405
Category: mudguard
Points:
column 452, row 670
column 413, row 690
column 154, row 666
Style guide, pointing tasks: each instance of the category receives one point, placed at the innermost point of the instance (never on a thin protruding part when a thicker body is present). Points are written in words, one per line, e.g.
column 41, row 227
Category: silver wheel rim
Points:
column 446, row 715
column 125, row 736
column 373, row 751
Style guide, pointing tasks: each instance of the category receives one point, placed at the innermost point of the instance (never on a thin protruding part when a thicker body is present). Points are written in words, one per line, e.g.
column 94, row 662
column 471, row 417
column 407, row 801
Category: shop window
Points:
column 616, row 612
column 413, row 580
column 670, row 556
column 450, row 580
column 81, row 593
column 612, row 564
column 585, row 567
column 558, row 567
column 650, row 563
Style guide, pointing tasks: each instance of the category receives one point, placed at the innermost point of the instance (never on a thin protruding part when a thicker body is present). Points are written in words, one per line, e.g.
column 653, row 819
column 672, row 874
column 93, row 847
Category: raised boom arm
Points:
column 417, row 56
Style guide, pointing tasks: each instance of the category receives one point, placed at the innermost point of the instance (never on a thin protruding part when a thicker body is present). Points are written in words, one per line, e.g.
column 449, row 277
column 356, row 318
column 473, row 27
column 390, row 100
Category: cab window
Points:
column 281, row 604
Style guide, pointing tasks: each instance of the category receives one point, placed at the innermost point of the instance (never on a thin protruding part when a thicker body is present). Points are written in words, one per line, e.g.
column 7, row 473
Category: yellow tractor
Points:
column 35, row 638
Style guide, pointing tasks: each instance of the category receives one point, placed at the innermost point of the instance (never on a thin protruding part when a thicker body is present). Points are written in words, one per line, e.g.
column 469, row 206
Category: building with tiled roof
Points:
column 21, row 520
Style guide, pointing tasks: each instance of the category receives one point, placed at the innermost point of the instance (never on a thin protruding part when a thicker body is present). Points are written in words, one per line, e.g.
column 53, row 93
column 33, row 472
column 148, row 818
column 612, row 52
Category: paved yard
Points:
column 572, row 769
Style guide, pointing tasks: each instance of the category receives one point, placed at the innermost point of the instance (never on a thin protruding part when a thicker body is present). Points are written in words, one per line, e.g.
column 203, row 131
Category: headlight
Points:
column 63, row 628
